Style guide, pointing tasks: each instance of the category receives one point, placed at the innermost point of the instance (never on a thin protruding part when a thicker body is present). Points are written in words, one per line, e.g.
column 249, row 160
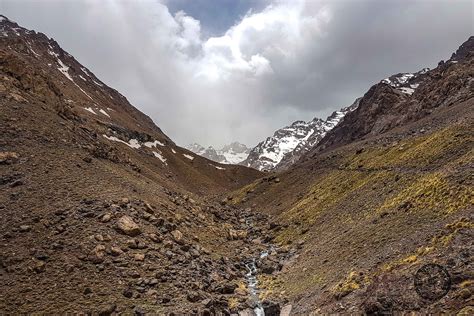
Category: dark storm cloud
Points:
column 283, row 61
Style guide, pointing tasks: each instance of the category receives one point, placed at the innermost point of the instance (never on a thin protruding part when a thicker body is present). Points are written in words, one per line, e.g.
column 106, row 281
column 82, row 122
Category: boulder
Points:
column 149, row 208
column 286, row 310
column 39, row 266
column 271, row 309
column 127, row 226
column 128, row 293
column 116, row 251
column 97, row 254
column 106, row 218
column 177, row 236
column 139, row 256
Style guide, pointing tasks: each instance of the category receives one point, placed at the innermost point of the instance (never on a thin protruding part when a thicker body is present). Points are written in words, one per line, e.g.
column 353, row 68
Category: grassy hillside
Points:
column 382, row 206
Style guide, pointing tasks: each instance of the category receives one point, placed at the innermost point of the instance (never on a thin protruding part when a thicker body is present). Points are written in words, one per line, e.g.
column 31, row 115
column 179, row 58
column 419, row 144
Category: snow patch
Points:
column 16, row 31
column 65, row 70
column 217, row 167
column 103, row 112
column 235, row 158
column 132, row 143
column 97, row 83
column 407, row 90
column 188, row 156
column 83, row 91
column 84, row 70
column 159, row 156
column 173, row 151
column 89, row 109
column 153, row 144
column 31, row 49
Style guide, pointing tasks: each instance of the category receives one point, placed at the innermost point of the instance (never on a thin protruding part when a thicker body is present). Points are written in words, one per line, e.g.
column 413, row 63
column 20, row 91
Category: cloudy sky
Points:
column 215, row 71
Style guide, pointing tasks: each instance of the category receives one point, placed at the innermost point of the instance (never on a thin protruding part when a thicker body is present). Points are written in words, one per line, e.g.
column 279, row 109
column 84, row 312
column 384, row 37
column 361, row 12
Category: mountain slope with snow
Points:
column 82, row 171
column 406, row 82
column 289, row 143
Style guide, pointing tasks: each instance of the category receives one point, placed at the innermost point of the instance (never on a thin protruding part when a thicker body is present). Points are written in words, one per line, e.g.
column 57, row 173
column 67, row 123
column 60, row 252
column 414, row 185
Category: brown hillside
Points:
column 101, row 212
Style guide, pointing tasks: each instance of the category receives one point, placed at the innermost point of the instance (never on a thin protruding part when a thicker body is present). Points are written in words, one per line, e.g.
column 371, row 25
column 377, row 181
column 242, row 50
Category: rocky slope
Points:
column 234, row 153
column 288, row 144
column 101, row 212
column 386, row 192
column 404, row 98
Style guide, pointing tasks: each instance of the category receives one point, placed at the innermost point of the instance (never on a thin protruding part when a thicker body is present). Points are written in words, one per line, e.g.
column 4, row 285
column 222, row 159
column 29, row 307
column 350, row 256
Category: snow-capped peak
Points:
column 233, row 153
column 196, row 148
column 288, row 144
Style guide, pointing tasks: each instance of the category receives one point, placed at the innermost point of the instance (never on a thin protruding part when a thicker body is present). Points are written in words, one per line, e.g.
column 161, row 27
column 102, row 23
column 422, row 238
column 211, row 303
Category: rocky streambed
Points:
column 268, row 261
column 261, row 265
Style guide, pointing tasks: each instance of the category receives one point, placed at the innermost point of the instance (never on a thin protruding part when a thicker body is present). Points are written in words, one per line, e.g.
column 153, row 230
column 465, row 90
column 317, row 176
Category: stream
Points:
column 251, row 278
column 252, row 283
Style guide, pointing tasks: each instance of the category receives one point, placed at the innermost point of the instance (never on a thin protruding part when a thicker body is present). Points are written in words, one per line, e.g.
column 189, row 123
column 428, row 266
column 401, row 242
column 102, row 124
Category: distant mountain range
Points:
column 233, row 153
column 279, row 151
column 288, row 144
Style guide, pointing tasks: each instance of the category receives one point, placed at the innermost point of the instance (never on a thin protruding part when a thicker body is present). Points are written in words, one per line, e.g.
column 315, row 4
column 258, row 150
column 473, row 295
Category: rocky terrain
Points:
column 288, row 144
column 234, row 153
column 102, row 213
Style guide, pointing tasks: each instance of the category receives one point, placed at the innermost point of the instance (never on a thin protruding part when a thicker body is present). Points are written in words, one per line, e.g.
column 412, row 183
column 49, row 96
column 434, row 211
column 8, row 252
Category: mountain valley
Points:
column 102, row 213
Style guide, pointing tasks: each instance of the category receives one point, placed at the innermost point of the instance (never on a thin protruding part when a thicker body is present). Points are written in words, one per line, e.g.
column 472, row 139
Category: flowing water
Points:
column 252, row 282
column 251, row 278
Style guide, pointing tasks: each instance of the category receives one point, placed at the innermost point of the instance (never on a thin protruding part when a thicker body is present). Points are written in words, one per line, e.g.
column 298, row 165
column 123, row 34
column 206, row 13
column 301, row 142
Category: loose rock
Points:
column 127, row 226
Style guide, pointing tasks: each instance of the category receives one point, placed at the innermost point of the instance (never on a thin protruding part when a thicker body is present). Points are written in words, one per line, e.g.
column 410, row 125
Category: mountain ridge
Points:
column 280, row 151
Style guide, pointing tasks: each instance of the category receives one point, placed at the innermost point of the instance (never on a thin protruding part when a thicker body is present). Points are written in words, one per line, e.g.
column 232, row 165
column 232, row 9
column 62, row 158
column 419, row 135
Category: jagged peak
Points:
column 464, row 50
column 289, row 142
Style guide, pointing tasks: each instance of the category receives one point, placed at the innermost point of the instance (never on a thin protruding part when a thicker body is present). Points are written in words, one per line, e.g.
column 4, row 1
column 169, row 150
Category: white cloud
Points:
column 277, row 33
